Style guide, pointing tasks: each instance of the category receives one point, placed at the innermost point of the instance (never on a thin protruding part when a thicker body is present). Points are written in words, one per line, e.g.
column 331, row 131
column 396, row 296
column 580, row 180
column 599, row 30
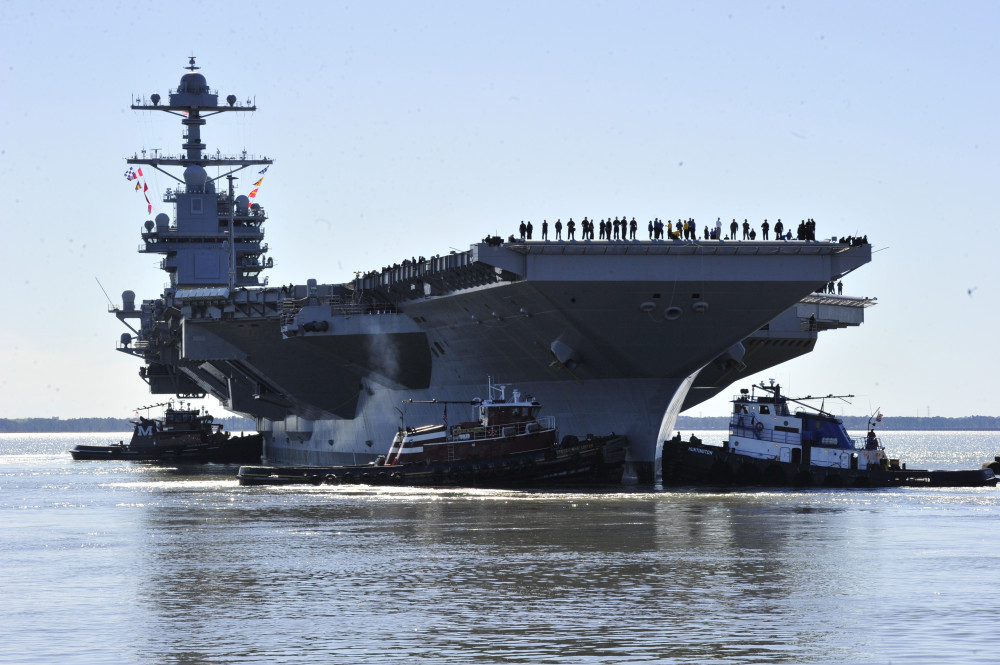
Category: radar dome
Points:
column 128, row 300
column 162, row 221
column 242, row 203
column 148, row 225
column 194, row 83
column 195, row 178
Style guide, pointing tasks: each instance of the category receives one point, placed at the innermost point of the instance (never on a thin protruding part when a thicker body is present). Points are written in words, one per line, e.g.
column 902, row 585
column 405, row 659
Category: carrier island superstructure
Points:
column 612, row 336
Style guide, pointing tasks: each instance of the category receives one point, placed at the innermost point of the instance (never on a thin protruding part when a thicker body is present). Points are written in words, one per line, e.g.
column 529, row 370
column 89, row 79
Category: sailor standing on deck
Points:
column 558, row 229
column 545, row 229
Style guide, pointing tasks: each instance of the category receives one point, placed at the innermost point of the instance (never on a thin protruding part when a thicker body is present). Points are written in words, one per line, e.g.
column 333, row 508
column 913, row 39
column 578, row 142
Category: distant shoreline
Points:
column 237, row 424
column 71, row 425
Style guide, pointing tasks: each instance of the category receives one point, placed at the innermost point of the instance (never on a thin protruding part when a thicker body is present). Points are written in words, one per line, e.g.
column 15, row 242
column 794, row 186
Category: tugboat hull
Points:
column 222, row 450
column 597, row 460
column 689, row 463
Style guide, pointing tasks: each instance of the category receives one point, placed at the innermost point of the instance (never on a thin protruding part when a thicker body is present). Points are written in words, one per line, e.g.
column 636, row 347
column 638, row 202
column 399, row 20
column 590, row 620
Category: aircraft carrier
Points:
column 609, row 336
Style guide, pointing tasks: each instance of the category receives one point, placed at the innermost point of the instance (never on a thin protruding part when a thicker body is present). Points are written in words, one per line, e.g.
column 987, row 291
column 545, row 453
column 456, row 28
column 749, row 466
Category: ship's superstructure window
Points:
column 196, row 206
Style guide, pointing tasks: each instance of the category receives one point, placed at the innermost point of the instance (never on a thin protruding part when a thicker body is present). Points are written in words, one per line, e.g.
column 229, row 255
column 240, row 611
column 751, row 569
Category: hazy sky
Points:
column 408, row 128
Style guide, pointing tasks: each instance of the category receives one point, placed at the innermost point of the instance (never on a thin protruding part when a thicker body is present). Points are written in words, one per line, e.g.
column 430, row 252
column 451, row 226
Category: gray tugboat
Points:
column 188, row 435
column 771, row 445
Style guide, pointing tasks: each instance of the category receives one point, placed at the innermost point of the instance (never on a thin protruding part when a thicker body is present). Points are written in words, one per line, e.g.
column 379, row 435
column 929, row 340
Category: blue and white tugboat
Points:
column 507, row 445
column 769, row 444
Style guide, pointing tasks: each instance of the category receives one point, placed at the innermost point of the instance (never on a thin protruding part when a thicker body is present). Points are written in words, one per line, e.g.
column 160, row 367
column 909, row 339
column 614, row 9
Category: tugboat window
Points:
column 764, row 409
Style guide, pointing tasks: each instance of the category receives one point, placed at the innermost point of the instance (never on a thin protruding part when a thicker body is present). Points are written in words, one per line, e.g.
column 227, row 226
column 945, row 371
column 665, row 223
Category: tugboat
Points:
column 770, row 445
column 507, row 445
column 187, row 435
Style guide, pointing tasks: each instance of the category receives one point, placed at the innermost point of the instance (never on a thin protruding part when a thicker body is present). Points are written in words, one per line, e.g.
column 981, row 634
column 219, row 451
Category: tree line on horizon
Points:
column 44, row 425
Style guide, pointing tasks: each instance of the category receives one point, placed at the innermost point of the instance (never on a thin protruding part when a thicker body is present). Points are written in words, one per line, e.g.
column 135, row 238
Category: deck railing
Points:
column 543, row 424
column 748, row 428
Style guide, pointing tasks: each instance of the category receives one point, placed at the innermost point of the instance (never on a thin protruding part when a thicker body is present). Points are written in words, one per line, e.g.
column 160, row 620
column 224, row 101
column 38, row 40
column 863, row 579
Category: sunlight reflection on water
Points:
column 183, row 565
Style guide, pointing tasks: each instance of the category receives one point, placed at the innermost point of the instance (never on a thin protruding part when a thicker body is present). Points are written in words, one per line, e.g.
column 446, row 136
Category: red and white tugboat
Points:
column 508, row 444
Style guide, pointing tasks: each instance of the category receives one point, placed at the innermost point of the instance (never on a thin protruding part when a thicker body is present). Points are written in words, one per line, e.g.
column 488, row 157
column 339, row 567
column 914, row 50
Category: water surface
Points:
column 127, row 562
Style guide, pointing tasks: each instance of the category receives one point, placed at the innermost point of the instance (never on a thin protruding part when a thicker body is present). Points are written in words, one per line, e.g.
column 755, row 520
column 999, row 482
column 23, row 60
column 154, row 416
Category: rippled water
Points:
column 122, row 562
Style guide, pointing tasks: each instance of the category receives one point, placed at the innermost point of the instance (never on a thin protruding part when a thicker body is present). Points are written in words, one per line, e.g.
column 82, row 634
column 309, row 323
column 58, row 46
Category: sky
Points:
column 405, row 128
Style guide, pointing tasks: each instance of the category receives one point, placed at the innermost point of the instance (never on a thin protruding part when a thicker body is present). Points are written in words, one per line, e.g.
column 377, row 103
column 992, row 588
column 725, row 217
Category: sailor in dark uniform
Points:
column 872, row 442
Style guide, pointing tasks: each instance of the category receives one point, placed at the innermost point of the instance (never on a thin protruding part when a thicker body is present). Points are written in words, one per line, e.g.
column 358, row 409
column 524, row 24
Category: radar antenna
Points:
column 775, row 390
column 110, row 302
